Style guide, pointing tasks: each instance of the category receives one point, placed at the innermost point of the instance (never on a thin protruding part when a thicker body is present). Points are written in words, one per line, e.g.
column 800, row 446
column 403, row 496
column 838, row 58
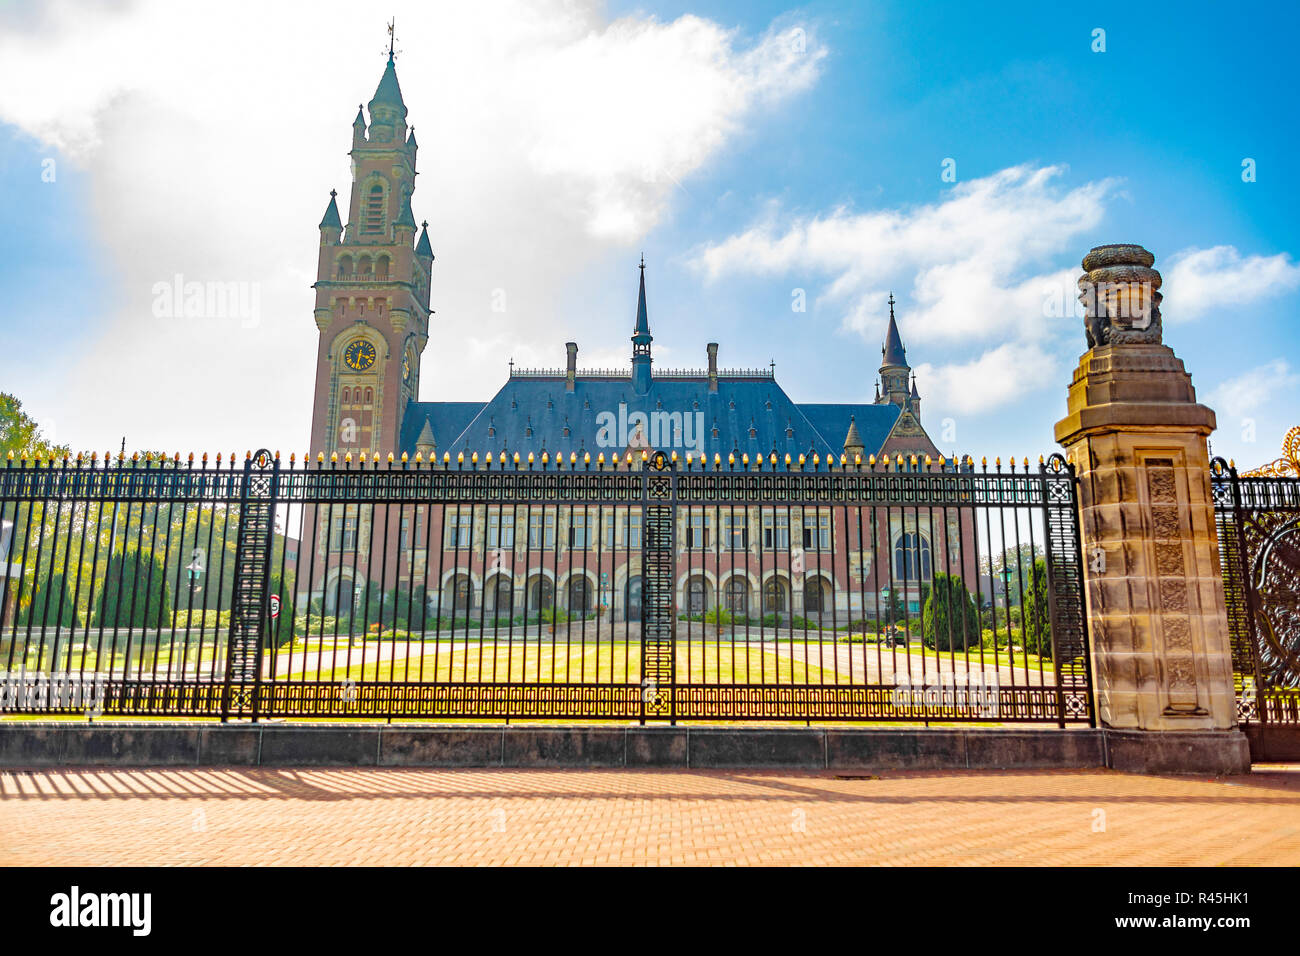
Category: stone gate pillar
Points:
column 1137, row 439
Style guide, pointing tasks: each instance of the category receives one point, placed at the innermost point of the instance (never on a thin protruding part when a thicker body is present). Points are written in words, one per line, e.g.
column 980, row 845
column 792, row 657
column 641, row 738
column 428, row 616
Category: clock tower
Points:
column 372, row 289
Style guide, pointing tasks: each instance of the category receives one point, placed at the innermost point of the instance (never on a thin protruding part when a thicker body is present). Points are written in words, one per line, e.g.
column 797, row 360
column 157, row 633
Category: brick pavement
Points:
column 368, row 816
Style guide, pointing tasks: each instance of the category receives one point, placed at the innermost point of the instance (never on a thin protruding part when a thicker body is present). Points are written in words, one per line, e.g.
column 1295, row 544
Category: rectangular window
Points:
column 460, row 531
column 817, row 532
column 736, row 530
column 541, row 531
column 776, row 532
column 409, row 540
column 343, row 535
column 698, row 526
column 623, row 532
column 579, row 530
column 501, row 530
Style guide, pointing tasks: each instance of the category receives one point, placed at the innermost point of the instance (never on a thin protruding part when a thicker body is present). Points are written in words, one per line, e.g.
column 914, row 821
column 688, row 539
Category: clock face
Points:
column 360, row 355
column 406, row 367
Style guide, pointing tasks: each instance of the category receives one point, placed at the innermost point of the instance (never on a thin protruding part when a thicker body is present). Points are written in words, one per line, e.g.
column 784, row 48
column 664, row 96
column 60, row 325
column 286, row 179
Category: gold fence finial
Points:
column 1285, row 466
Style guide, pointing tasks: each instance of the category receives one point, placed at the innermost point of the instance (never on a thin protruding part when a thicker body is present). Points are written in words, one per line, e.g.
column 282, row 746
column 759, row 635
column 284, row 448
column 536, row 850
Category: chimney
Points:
column 713, row 366
column 571, row 370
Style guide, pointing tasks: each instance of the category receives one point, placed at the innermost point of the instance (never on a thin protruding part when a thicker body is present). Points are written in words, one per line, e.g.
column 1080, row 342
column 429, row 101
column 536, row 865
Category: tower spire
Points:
column 894, row 370
column 892, row 351
column 641, row 339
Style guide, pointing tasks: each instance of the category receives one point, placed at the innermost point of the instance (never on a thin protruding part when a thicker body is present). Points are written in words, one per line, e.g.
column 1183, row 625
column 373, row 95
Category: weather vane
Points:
column 392, row 38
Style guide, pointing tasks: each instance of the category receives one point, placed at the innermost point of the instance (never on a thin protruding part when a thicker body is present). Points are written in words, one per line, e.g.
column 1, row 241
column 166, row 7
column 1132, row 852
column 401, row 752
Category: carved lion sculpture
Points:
column 1121, row 296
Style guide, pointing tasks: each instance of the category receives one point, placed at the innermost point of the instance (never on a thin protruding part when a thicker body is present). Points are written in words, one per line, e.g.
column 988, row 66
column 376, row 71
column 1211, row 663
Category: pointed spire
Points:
column 893, row 352
column 361, row 117
column 853, row 440
column 641, row 339
column 642, row 317
column 410, row 138
column 423, row 249
column 915, row 394
column 407, row 217
column 331, row 219
column 389, row 92
column 426, row 444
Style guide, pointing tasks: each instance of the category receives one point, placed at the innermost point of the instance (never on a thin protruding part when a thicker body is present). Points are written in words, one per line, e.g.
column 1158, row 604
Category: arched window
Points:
column 738, row 596
column 579, row 594
column 347, row 395
column 632, row 597
column 912, row 557
column 541, row 593
column 339, row 595
column 370, row 395
column 814, row 596
column 460, row 593
column 363, row 266
column 345, row 267
column 381, row 267
column 775, row 596
column 372, row 217
column 502, row 596
column 697, row 595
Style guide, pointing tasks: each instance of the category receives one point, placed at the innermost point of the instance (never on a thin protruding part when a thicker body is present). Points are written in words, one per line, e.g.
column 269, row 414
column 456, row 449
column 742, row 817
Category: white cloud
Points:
column 212, row 132
column 1199, row 281
column 994, row 378
column 982, row 266
column 1256, row 389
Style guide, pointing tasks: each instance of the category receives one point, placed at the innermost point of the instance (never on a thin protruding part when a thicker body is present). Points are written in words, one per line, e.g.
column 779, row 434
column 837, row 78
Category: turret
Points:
column 424, row 251
column 359, row 127
column 853, row 440
column 330, row 225
column 404, row 226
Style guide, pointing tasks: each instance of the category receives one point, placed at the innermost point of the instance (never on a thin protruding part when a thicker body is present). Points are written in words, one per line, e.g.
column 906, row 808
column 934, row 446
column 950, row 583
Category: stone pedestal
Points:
column 1137, row 439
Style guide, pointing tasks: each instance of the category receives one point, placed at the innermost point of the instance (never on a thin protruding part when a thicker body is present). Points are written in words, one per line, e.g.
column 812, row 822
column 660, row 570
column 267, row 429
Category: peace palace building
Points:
column 372, row 309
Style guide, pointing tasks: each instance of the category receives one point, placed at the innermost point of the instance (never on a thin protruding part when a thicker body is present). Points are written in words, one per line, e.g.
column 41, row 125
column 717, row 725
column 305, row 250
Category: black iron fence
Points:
column 1258, row 521
column 647, row 590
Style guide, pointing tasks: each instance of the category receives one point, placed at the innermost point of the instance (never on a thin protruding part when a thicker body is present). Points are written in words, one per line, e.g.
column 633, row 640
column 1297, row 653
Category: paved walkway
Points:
column 368, row 816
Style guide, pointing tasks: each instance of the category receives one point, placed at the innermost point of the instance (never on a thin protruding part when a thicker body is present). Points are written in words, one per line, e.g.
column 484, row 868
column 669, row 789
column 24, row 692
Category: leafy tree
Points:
column 50, row 603
column 1038, row 622
column 123, row 601
column 950, row 620
column 20, row 434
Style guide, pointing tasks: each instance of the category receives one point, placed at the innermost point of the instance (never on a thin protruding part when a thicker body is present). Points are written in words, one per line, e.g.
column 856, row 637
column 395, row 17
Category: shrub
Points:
column 950, row 622
column 1037, row 637
column 717, row 615
column 281, row 630
column 123, row 601
column 49, row 604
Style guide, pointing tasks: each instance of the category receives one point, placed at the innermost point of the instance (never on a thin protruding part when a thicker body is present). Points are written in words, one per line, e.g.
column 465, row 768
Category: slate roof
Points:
column 751, row 416
column 893, row 353
column 389, row 91
column 331, row 218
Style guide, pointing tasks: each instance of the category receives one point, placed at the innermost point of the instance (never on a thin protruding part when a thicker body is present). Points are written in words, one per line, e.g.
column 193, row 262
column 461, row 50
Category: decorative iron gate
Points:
column 651, row 589
column 1258, row 520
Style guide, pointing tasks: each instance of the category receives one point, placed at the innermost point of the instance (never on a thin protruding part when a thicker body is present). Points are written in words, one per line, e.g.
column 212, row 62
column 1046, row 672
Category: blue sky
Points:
column 769, row 173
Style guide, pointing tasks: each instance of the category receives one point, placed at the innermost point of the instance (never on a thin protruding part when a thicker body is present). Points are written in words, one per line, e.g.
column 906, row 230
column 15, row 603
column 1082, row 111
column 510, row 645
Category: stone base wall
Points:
column 58, row 744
